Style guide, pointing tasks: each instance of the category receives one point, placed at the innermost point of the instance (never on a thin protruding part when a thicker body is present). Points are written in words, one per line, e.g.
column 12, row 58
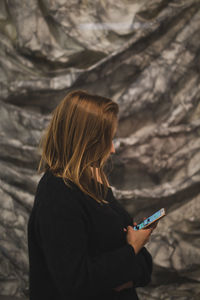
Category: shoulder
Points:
column 50, row 182
column 52, row 191
column 56, row 208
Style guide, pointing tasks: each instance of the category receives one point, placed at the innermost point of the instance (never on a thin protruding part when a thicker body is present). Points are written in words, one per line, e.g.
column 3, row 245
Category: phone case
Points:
column 150, row 220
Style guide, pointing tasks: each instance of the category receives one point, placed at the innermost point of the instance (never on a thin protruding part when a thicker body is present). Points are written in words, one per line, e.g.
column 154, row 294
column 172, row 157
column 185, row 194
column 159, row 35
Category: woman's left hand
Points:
column 126, row 285
column 129, row 284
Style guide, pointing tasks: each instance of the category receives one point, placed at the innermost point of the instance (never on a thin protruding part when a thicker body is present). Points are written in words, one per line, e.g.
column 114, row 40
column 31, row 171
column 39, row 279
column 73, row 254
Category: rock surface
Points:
column 145, row 55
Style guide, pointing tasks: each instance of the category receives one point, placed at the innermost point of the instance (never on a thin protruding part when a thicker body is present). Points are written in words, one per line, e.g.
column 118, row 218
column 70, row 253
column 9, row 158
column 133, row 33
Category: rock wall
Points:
column 145, row 55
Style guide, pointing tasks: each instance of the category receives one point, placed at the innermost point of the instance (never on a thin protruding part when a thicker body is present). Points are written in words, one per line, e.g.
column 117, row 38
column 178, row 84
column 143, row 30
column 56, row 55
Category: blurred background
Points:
column 145, row 55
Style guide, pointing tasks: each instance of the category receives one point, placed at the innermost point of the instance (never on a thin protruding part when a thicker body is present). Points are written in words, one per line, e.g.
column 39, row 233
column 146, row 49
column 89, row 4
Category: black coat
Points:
column 77, row 247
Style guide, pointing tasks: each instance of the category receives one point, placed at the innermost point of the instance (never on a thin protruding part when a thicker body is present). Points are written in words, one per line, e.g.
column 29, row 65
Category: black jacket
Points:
column 77, row 247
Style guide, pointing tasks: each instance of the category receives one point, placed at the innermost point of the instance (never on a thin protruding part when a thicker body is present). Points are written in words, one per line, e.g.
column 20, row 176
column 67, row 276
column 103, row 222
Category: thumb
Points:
column 129, row 227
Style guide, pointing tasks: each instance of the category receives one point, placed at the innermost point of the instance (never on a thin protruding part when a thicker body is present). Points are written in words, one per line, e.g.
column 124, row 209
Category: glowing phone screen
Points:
column 148, row 220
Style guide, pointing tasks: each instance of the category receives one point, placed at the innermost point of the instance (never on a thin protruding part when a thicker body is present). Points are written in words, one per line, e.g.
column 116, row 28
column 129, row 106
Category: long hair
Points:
column 78, row 141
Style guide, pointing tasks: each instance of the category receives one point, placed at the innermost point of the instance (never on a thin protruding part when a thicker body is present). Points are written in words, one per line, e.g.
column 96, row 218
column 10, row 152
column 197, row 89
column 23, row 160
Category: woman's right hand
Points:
column 137, row 238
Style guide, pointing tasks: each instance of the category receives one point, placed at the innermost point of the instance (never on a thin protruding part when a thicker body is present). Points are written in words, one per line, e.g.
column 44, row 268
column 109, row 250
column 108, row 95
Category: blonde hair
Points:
column 79, row 139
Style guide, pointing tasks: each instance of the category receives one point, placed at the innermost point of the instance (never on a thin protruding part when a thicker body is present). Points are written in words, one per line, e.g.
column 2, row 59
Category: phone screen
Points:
column 149, row 220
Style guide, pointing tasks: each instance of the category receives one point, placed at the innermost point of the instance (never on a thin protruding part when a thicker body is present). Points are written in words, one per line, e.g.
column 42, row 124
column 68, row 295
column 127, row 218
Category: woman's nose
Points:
column 112, row 148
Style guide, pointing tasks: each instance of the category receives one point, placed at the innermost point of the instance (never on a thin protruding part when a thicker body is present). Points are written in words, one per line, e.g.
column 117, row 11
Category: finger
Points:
column 130, row 227
column 149, row 230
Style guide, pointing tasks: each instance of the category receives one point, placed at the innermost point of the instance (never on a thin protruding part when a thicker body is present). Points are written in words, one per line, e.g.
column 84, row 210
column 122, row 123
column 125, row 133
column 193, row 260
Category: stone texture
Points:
column 145, row 56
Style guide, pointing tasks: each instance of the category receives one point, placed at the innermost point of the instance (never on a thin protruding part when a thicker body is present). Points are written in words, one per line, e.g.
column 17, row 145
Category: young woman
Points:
column 80, row 239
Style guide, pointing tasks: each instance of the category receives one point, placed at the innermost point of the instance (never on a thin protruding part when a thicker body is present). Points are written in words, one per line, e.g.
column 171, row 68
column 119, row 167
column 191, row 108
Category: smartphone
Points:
column 150, row 220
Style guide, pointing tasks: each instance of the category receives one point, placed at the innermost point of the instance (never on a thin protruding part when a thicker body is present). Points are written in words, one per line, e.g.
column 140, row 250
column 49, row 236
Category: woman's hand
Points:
column 126, row 285
column 138, row 238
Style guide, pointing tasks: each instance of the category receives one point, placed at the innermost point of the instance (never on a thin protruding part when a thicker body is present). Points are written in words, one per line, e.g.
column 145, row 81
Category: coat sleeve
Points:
column 144, row 263
column 145, row 267
column 63, row 237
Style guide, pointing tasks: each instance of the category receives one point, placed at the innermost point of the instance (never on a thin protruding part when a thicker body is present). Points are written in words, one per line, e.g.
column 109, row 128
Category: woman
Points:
column 80, row 239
